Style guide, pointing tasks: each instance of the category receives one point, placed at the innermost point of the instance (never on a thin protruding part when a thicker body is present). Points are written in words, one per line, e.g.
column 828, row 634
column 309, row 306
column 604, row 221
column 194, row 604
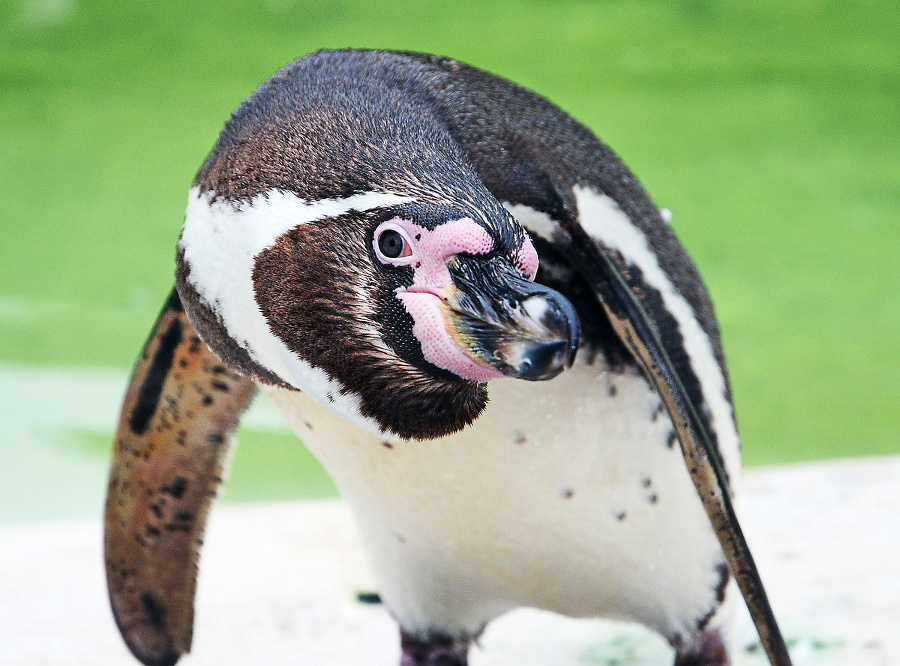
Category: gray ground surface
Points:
column 278, row 586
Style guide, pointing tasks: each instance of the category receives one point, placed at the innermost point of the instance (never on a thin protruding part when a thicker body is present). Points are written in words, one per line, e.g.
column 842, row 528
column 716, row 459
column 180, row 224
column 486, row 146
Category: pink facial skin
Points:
column 527, row 260
column 423, row 300
column 438, row 347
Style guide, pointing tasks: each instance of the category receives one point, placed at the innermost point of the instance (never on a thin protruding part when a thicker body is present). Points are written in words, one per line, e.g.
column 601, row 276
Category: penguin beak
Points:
column 502, row 320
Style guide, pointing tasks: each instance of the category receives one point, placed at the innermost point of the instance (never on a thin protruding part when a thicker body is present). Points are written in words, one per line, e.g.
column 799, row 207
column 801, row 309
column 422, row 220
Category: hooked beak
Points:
column 502, row 320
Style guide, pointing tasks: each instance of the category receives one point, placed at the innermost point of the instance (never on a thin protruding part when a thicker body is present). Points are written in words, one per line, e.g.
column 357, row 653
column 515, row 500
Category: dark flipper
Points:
column 640, row 335
column 171, row 446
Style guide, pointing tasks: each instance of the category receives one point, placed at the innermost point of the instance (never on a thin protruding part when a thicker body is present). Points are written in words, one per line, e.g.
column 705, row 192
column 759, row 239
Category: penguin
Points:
column 470, row 311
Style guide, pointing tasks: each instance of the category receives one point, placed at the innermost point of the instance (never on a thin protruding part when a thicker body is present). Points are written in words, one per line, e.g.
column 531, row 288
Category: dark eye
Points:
column 391, row 244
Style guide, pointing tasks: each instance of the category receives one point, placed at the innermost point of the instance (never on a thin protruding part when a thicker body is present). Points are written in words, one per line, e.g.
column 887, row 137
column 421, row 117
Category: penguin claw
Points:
column 706, row 649
column 435, row 651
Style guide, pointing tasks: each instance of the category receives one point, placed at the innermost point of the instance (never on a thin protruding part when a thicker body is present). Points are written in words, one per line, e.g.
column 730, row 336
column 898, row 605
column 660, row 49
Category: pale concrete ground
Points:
column 278, row 586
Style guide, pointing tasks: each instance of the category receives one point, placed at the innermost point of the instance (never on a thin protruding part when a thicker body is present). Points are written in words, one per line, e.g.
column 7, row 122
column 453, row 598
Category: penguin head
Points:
column 348, row 249
column 391, row 311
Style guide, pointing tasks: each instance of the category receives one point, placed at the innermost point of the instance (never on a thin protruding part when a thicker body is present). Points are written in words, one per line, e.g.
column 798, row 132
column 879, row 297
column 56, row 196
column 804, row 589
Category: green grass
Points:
column 274, row 466
column 770, row 129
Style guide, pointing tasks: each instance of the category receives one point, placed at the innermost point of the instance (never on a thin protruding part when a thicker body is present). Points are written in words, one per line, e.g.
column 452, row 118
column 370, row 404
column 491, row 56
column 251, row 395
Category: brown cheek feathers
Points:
column 314, row 287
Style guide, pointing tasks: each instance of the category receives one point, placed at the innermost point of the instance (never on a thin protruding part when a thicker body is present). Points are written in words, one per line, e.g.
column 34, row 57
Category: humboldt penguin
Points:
column 470, row 311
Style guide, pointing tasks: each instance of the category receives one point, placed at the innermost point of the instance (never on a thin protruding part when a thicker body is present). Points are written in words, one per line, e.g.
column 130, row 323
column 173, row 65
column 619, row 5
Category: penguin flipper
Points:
column 171, row 447
column 640, row 335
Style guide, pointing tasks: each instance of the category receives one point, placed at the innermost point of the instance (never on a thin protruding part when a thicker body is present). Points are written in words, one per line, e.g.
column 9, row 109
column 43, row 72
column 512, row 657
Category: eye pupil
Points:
column 391, row 244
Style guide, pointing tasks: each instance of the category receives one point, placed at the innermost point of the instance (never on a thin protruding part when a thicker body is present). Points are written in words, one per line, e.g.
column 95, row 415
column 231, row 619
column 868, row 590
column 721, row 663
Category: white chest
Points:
column 564, row 495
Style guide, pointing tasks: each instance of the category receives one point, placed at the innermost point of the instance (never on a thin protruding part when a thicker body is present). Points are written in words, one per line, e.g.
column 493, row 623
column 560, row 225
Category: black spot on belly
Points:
column 308, row 425
column 519, row 437
column 654, row 498
column 671, row 439
column 386, row 444
column 151, row 387
column 621, row 517
column 612, row 390
column 647, row 482
column 568, row 493
column 368, row 598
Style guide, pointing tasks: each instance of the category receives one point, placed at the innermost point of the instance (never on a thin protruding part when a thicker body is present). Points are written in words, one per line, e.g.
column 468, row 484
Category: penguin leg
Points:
column 435, row 651
column 706, row 649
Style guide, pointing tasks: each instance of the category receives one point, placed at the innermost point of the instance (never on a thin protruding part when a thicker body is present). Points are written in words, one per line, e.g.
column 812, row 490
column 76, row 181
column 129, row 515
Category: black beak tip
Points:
column 542, row 363
column 574, row 338
column 523, row 329
column 548, row 359
column 568, row 324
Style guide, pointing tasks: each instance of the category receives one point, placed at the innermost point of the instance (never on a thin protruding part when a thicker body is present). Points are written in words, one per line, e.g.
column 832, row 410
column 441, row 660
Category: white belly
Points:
column 561, row 496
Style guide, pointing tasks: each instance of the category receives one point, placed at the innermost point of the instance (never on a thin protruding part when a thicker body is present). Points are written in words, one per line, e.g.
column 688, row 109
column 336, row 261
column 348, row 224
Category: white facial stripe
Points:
column 251, row 227
column 220, row 242
column 602, row 218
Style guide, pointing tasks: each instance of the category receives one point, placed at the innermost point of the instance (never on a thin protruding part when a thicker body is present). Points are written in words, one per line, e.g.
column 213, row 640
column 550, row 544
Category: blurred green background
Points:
column 770, row 129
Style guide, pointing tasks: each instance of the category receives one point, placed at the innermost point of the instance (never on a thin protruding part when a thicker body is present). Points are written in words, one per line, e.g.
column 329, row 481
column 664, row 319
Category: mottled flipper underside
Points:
column 171, row 446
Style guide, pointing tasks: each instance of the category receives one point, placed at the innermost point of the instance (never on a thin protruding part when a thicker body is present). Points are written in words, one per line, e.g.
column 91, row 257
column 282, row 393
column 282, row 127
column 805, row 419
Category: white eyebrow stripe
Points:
column 603, row 219
column 257, row 224
column 220, row 241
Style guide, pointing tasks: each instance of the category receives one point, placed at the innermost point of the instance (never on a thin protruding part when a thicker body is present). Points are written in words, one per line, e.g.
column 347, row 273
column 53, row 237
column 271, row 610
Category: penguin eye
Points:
column 392, row 245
